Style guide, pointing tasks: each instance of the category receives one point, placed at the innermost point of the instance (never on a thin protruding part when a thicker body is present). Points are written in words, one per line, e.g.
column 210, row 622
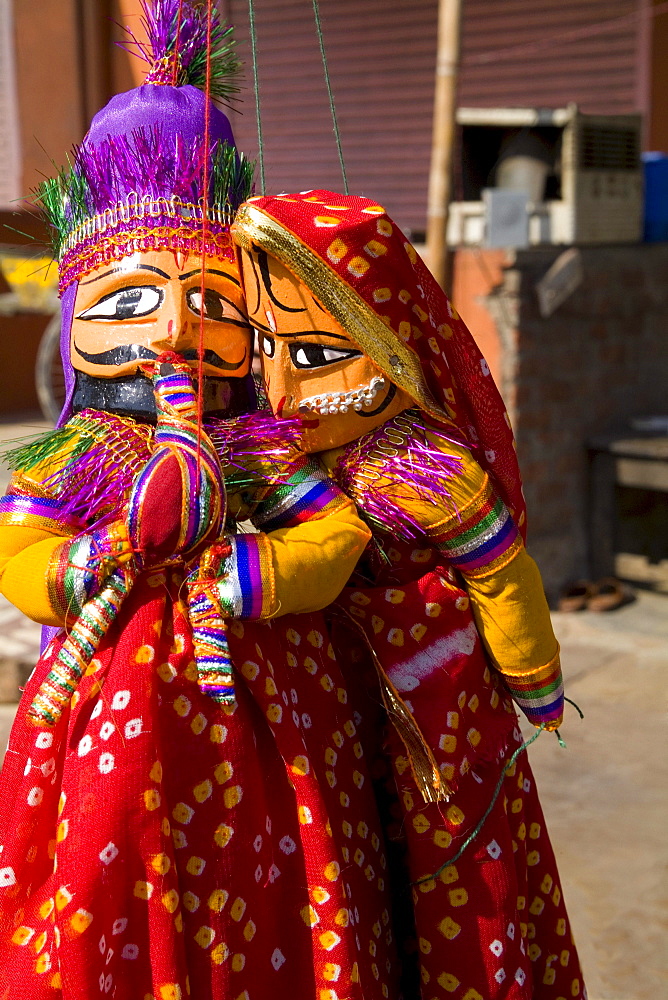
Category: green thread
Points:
column 256, row 86
column 560, row 739
column 318, row 25
column 474, row 834
column 27, row 456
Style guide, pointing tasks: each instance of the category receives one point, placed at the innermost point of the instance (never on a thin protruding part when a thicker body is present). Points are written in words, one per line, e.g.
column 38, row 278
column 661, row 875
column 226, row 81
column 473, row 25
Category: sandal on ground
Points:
column 576, row 596
column 610, row 594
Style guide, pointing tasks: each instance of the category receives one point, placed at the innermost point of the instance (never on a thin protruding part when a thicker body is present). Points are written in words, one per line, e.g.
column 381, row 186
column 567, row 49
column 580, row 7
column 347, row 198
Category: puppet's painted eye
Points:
column 317, row 355
column 128, row 303
column 214, row 303
column 268, row 345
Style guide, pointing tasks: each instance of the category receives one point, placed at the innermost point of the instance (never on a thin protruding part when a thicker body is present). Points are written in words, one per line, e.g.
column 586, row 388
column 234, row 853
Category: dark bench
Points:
column 629, row 459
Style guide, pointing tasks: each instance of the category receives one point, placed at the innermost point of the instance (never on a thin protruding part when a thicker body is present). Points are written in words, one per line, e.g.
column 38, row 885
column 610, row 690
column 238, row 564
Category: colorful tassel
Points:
column 78, row 650
column 177, row 435
column 212, row 654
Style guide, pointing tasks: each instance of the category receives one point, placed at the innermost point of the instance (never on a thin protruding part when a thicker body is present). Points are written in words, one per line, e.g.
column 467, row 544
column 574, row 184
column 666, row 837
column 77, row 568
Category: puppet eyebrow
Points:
column 123, row 270
column 298, row 336
column 263, row 261
column 209, row 270
column 312, row 333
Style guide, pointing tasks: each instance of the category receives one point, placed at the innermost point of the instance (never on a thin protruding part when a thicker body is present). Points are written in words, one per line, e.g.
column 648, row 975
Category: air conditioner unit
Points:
column 587, row 182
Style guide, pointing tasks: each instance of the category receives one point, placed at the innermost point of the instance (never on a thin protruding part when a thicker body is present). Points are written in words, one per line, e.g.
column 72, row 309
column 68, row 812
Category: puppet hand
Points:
column 156, row 508
column 178, row 498
column 79, row 568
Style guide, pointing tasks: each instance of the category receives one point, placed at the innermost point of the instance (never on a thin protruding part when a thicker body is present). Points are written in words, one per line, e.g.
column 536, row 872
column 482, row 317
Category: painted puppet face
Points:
column 310, row 366
column 136, row 308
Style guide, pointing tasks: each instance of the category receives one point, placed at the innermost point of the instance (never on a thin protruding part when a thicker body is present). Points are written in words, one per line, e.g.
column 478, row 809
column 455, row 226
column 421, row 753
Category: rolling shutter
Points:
column 381, row 56
column 548, row 54
column 381, row 60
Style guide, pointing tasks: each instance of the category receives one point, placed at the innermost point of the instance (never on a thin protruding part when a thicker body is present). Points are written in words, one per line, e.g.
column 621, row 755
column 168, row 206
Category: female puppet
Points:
column 398, row 402
column 164, row 835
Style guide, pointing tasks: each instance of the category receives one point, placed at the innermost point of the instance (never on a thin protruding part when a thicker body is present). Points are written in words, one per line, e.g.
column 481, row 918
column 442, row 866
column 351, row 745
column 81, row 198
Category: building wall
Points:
column 381, row 59
column 67, row 67
column 599, row 360
column 657, row 132
column 547, row 54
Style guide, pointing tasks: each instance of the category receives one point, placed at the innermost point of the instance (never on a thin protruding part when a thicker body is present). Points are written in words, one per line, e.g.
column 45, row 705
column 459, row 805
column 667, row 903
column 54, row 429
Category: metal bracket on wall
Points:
column 560, row 281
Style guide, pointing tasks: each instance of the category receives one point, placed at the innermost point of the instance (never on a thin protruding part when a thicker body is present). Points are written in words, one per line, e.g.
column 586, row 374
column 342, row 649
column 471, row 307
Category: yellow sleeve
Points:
column 313, row 562
column 506, row 592
column 295, row 569
column 28, row 540
column 512, row 615
column 25, row 556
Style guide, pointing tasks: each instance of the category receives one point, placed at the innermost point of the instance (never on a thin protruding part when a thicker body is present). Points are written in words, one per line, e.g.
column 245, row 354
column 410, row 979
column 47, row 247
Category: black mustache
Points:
column 213, row 359
column 136, row 352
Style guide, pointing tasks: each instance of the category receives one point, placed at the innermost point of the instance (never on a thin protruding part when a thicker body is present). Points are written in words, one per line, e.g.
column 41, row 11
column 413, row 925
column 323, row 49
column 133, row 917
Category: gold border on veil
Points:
column 363, row 326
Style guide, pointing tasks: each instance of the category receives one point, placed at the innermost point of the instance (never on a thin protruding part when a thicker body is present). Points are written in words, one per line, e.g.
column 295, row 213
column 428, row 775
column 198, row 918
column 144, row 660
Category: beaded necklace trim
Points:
column 95, row 251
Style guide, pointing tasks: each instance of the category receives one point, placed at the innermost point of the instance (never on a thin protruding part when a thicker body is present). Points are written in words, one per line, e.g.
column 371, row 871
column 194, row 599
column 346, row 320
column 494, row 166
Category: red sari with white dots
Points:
column 156, row 845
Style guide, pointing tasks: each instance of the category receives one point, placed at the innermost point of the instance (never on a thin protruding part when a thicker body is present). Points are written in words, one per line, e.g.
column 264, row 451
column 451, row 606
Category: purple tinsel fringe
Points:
column 160, row 23
column 257, row 435
column 94, row 484
column 150, row 163
column 419, row 469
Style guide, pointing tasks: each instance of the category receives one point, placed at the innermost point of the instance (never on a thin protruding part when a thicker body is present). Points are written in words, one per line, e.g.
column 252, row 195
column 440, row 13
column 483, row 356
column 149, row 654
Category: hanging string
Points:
column 471, row 837
column 205, row 233
column 562, row 742
column 318, row 26
column 177, row 40
column 256, row 83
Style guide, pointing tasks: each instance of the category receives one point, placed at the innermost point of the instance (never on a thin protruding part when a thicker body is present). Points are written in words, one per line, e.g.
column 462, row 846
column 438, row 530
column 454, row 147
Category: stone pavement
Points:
column 605, row 797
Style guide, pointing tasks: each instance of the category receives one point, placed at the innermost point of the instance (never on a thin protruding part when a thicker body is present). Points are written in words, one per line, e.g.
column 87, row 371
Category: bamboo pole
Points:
column 443, row 135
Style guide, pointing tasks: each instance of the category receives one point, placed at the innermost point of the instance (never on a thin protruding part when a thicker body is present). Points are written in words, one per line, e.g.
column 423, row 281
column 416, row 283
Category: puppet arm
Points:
column 309, row 543
column 25, row 554
column 475, row 532
column 50, row 576
column 47, row 567
column 479, row 538
column 300, row 563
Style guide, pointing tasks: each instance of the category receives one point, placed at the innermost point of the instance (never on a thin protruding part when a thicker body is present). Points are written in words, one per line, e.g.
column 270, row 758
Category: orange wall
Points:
column 49, row 86
column 19, row 339
column 67, row 67
column 475, row 273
